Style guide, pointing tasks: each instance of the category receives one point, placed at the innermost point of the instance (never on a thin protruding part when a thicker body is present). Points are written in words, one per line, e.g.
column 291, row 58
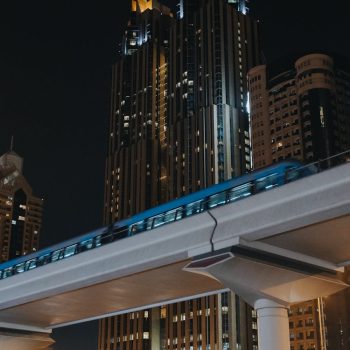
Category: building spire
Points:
column 11, row 144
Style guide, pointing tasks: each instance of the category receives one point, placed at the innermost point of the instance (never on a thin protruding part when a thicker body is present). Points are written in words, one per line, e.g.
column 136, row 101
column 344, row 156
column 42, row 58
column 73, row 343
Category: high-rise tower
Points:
column 300, row 109
column 179, row 123
column 20, row 211
column 135, row 174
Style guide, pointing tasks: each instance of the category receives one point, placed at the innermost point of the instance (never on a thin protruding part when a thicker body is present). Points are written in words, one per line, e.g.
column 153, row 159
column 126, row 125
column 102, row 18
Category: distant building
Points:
column 20, row 210
column 300, row 109
column 179, row 123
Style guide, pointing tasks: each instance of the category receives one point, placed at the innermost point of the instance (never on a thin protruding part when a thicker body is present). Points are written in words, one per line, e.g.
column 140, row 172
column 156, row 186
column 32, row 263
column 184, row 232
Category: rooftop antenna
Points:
column 11, row 145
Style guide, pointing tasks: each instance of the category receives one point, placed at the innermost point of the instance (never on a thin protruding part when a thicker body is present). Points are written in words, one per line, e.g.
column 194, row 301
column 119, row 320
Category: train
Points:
column 223, row 193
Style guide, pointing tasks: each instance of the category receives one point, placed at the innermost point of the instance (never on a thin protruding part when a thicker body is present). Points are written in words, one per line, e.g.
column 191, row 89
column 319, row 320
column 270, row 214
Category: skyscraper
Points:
column 179, row 123
column 20, row 210
column 300, row 108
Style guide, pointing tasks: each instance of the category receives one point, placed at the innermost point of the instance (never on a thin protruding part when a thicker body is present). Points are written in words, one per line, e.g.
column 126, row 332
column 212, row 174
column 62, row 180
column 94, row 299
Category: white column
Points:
column 155, row 330
column 273, row 325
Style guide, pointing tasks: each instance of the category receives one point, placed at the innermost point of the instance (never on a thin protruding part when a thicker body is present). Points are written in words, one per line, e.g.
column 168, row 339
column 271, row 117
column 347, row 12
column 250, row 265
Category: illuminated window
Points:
column 145, row 335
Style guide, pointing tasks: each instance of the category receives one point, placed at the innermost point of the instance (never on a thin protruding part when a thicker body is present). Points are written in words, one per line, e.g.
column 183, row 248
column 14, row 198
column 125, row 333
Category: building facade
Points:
column 179, row 123
column 20, row 210
column 300, row 109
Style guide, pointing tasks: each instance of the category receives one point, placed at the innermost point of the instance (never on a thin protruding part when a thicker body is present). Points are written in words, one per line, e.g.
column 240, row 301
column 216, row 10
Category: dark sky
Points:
column 55, row 67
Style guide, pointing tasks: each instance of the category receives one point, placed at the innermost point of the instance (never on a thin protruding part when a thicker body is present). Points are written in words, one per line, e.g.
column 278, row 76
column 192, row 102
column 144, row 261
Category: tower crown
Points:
column 241, row 5
column 143, row 5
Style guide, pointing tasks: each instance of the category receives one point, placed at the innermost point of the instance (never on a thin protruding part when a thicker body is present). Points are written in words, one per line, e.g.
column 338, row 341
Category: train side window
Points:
column 267, row 182
column 193, row 208
column 97, row 240
column 30, row 264
column 170, row 216
column 179, row 213
column 158, row 220
column 57, row 255
column 8, row 272
column 69, row 251
column 162, row 219
column 239, row 192
column 43, row 260
column 85, row 245
column 217, row 199
column 149, row 223
column 19, row 267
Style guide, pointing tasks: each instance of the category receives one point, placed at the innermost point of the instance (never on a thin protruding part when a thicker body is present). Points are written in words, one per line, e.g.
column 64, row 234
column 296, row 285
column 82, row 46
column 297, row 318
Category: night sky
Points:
column 55, row 68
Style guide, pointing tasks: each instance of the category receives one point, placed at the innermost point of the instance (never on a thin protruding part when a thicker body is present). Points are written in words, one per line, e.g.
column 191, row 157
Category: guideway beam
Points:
column 269, row 289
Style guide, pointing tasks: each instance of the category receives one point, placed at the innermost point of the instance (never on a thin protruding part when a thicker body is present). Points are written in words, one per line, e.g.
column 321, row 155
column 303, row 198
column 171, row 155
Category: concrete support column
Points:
column 273, row 325
column 155, row 330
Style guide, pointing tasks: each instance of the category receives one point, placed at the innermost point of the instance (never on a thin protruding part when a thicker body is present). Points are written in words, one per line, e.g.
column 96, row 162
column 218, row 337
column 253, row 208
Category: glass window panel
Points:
column 193, row 208
column 69, row 251
column 266, row 183
column 20, row 267
column 43, row 260
column 30, row 264
column 240, row 192
column 86, row 245
column 217, row 199
column 98, row 241
column 57, row 255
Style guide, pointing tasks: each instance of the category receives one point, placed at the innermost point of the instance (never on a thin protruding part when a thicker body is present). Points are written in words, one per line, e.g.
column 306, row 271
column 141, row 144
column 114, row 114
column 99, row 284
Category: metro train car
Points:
column 223, row 193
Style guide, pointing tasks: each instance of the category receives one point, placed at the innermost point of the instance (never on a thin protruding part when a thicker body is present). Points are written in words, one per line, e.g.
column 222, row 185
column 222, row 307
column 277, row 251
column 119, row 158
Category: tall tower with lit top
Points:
column 178, row 124
column 20, row 210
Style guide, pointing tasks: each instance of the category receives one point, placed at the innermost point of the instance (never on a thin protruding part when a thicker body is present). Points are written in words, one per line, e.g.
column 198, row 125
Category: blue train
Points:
column 211, row 197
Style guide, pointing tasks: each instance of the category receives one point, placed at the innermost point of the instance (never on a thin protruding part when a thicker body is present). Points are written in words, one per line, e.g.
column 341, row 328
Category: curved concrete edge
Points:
column 25, row 342
column 23, row 327
column 254, row 280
